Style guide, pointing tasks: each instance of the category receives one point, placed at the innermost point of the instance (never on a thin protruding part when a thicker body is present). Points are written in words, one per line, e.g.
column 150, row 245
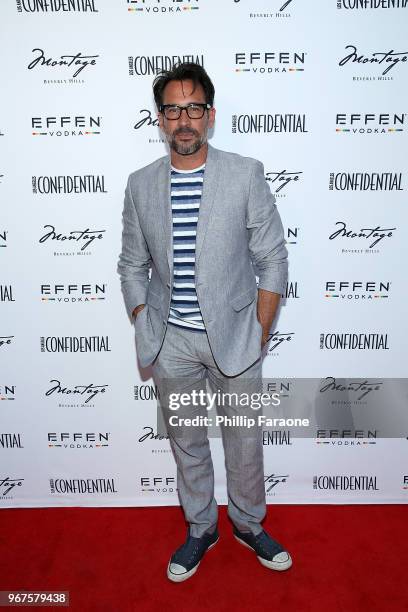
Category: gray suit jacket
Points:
column 239, row 234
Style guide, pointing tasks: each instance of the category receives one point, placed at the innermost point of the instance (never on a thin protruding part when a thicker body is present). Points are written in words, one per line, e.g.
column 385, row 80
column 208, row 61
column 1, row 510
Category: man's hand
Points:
column 137, row 310
column 266, row 309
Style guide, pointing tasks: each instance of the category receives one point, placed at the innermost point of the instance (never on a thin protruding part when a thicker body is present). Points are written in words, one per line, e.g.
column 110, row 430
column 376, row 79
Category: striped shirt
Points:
column 186, row 189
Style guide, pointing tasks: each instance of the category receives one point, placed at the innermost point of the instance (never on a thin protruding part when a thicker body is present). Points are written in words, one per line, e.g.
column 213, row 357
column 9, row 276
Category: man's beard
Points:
column 186, row 148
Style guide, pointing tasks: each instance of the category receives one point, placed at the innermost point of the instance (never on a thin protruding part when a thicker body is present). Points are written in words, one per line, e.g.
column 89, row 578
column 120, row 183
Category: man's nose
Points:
column 184, row 118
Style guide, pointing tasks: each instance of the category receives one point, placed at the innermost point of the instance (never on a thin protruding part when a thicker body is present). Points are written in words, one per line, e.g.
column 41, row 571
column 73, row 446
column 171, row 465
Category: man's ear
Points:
column 211, row 117
column 160, row 120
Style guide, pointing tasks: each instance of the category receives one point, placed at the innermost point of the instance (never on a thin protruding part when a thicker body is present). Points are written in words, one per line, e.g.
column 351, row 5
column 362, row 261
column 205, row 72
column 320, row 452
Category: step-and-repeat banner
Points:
column 317, row 92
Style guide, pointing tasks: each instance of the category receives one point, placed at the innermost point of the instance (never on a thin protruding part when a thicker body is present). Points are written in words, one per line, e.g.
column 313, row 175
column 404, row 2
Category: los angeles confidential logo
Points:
column 146, row 65
column 56, row 6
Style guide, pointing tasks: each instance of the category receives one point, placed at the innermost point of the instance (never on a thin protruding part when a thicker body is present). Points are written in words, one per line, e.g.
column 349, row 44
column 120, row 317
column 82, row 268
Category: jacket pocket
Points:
column 154, row 300
column 239, row 302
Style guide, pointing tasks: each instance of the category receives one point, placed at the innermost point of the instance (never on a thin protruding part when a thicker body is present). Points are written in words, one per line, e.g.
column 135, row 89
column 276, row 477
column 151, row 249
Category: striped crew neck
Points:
column 188, row 171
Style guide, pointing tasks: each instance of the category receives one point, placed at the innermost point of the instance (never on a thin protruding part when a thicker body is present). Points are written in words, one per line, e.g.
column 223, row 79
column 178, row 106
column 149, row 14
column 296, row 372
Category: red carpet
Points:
column 345, row 558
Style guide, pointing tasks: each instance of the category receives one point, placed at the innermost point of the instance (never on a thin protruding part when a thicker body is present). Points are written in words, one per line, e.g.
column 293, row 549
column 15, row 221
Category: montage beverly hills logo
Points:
column 146, row 118
column 278, row 341
column 346, row 391
column 386, row 64
column 155, row 441
column 281, row 181
column 9, row 486
column 70, row 242
column 358, row 239
column 68, row 68
column 84, row 395
column 269, row 9
column 272, row 481
column 147, row 125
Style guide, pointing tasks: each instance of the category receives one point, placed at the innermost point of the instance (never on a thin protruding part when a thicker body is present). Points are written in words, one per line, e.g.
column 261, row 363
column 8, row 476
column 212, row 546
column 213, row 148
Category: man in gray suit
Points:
column 205, row 223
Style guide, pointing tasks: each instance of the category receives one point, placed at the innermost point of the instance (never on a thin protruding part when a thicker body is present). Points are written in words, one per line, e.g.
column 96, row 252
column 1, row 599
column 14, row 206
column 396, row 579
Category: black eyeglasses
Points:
column 195, row 110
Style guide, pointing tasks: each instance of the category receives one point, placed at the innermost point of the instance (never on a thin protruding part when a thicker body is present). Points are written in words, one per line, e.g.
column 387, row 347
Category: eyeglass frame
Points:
column 204, row 105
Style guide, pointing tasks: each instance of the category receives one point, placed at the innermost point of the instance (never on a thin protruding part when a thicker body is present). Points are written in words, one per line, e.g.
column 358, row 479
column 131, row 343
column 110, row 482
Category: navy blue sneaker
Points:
column 185, row 561
column 269, row 552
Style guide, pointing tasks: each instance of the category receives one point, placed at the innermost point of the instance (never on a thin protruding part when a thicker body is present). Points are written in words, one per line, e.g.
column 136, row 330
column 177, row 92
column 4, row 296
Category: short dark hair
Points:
column 180, row 72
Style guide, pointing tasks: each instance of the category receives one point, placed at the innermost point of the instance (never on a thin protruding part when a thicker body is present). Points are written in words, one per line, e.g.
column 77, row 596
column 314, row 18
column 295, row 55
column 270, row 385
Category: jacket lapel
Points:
column 211, row 176
column 164, row 208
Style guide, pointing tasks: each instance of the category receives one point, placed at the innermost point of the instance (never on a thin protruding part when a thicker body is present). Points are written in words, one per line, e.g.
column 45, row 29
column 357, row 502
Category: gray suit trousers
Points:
column 185, row 362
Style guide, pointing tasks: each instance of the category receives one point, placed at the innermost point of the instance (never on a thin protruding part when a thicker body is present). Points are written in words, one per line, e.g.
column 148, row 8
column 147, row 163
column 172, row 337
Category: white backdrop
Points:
column 337, row 129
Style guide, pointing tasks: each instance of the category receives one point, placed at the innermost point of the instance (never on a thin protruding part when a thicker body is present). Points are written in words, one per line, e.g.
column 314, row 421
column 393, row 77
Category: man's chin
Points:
column 187, row 149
